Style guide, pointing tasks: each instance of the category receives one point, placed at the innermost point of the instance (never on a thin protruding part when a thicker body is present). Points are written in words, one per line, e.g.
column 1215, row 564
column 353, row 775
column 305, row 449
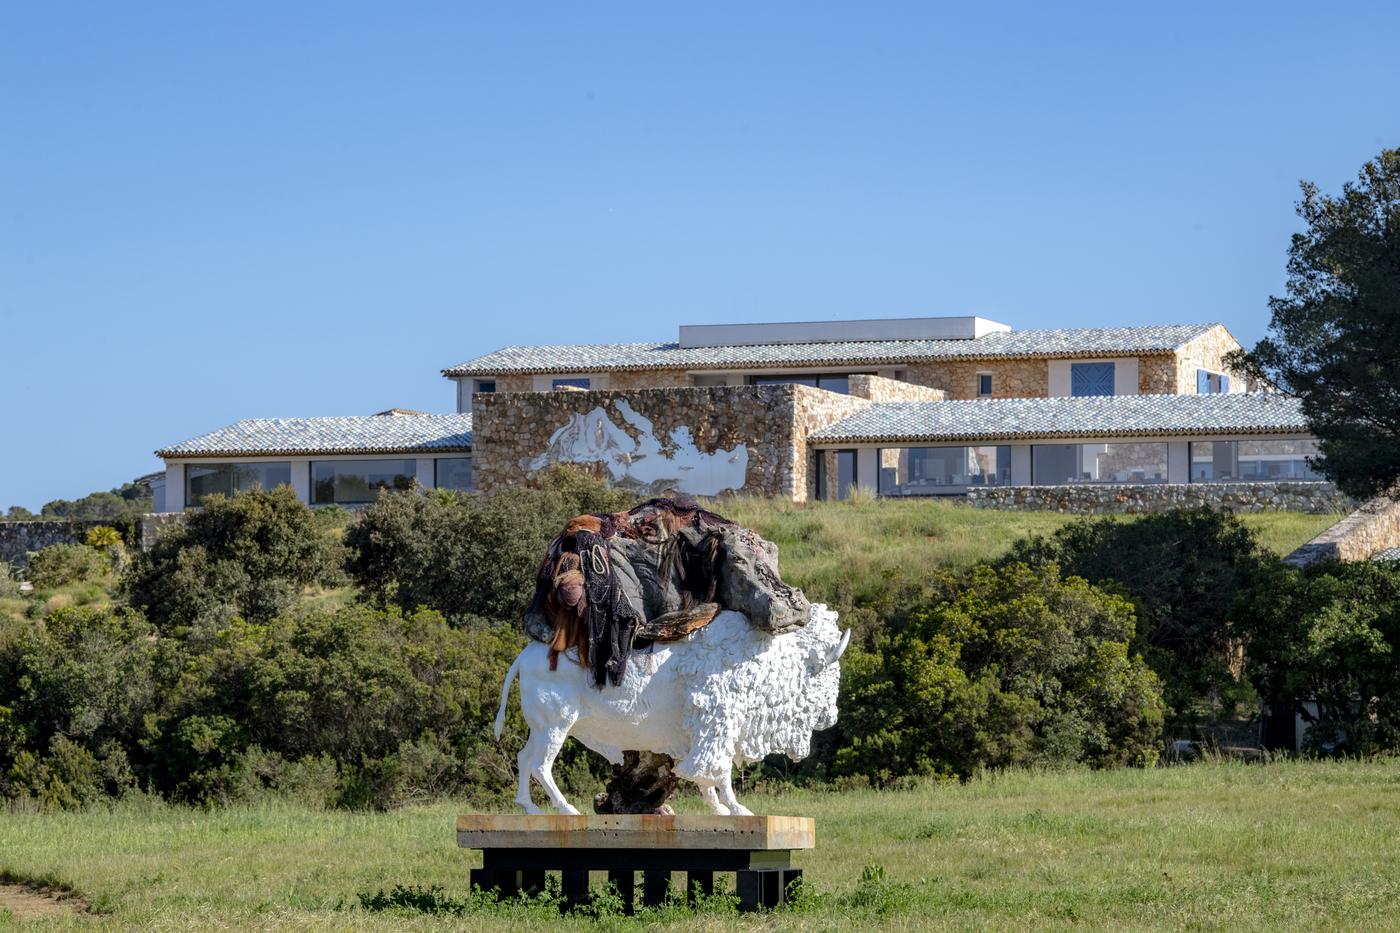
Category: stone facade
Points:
column 612, row 431
column 1091, row 499
column 1205, row 352
column 19, row 539
column 958, row 378
column 1373, row 527
column 880, row 389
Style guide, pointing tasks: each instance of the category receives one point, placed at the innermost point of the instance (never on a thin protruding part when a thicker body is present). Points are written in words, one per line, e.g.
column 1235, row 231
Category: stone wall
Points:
column 1206, row 352
column 703, row 441
column 1105, row 499
column 19, row 539
column 1373, row 527
column 1010, row 378
column 880, row 389
column 153, row 524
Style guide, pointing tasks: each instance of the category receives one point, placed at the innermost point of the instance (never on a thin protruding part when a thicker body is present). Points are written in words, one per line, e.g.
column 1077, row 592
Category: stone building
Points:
column 953, row 406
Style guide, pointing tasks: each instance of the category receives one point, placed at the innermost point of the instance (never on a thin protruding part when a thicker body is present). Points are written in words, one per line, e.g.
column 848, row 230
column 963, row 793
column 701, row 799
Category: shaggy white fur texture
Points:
column 727, row 694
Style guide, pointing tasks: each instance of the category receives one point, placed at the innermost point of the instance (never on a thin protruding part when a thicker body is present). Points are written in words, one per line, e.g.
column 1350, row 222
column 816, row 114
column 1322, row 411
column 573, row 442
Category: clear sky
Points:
column 220, row 211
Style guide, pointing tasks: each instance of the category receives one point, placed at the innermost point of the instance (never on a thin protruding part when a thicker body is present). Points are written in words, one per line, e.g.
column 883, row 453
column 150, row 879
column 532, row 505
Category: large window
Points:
column 347, row 482
column 206, row 479
column 1209, row 383
column 1090, row 379
column 453, row 473
column 845, row 478
column 1252, row 461
column 942, row 471
column 832, row 382
column 1064, row 464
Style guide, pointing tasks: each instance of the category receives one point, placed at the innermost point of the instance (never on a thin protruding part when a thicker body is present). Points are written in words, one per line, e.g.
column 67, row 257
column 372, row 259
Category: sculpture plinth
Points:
column 518, row 850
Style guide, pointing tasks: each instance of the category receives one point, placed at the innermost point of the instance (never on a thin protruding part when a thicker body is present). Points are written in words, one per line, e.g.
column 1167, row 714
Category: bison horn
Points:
column 841, row 648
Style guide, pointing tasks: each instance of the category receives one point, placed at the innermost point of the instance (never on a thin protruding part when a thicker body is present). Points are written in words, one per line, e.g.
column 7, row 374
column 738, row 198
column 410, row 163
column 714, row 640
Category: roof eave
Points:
column 463, row 373
column 1053, row 435
column 306, row 452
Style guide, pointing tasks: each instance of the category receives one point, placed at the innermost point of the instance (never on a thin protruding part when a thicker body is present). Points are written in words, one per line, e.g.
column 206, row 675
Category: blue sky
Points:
column 218, row 211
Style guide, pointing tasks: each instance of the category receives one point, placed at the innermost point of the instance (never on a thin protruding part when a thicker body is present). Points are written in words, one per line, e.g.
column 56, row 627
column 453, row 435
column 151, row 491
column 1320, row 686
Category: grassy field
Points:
column 1290, row 844
column 825, row 545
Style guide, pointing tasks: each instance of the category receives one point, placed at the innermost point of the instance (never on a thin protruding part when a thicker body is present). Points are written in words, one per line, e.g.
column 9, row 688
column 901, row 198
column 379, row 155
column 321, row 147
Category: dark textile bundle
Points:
column 611, row 620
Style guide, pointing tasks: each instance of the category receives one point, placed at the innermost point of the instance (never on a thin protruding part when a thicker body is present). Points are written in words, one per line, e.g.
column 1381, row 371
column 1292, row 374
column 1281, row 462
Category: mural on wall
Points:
column 646, row 464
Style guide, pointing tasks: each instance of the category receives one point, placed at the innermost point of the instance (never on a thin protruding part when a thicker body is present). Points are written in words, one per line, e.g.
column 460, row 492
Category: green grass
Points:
column 830, row 546
column 1307, row 844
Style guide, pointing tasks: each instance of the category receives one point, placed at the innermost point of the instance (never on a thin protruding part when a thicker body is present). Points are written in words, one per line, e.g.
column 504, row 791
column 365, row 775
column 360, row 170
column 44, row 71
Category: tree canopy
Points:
column 1334, row 337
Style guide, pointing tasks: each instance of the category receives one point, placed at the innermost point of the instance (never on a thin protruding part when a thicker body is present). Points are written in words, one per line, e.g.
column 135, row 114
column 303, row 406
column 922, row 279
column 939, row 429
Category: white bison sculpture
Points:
column 725, row 694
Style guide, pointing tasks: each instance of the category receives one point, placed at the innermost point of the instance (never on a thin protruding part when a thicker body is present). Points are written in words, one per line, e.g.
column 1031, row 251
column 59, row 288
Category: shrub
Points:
column 9, row 581
column 401, row 702
column 250, row 556
column 61, row 564
column 1330, row 635
column 1005, row 666
column 1188, row 573
column 467, row 555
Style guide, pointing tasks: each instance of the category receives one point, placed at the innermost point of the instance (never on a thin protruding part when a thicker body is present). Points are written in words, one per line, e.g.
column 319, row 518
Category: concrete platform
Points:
column 685, row 832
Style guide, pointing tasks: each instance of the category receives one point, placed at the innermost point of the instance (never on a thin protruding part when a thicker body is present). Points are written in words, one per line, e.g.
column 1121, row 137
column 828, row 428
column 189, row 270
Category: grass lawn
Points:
column 1291, row 844
column 826, row 546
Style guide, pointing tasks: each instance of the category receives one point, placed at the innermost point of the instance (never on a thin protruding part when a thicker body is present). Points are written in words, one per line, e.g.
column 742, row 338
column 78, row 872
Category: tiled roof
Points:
column 1103, row 416
column 1390, row 553
column 1016, row 344
column 377, row 434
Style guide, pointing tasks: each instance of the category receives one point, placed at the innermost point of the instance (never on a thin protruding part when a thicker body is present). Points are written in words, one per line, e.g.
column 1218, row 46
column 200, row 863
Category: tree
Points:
column 1335, row 336
column 250, row 555
column 1187, row 572
column 1322, row 643
column 1004, row 666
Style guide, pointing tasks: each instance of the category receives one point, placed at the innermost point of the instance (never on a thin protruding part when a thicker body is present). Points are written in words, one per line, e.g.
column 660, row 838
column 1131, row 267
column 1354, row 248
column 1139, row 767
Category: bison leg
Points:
column 711, row 798
column 554, row 741
column 726, row 796
column 527, row 762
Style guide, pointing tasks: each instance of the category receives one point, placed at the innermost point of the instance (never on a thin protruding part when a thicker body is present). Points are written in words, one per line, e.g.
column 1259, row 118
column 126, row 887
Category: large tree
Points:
column 1334, row 338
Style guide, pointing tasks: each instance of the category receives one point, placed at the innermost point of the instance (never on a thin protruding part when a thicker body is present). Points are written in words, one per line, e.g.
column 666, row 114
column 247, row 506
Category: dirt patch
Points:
column 33, row 901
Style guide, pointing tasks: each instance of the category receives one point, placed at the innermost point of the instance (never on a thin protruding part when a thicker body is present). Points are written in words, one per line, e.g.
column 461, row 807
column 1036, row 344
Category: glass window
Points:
column 206, row 479
column 1209, row 383
column 984, row 384
column 487, row 386
column 453, row 473
column 1129, row 462
column 942, row 471
column 1090, row 379
column 845, row 478
column 832, row 382
column 582, row 382
column 1252, row 461
column 347, row 482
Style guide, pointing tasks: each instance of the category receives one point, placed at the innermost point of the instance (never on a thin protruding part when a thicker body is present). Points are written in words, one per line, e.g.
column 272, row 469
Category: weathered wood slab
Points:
column 557, row 831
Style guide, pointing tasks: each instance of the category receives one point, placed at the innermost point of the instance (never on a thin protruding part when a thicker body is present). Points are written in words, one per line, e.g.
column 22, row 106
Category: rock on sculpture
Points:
column 726, row 694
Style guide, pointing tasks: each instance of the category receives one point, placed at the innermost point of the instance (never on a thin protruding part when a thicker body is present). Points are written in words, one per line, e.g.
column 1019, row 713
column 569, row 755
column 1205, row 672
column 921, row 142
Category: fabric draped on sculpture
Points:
column 658, row 572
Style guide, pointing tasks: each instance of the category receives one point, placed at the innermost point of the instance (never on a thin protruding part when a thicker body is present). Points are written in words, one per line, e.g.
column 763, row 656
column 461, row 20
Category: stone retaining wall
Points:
column 1373, row 527
column 1089, row 499
column 19, row 539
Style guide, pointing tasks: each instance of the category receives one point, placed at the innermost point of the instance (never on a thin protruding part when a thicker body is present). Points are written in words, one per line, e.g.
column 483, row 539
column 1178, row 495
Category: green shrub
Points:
column 467, row 555
column 247, row 556
column 9, row 581
column 1330, row 635
column 1003, row 666
column 1188, row 573
column 61, row 564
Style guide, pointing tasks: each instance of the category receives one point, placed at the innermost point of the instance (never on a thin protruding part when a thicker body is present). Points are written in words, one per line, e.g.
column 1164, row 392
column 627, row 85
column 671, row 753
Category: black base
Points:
column 763, row 879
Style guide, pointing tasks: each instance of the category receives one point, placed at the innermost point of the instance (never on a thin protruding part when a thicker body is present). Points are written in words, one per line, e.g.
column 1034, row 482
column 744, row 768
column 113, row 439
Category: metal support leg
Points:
column 575, row 888
column 655, row 881
column 626, row 882
column 483, row 878
column 507, row 883
column 792, row 883
column 532, row 881
column 759, row 889
column 699, row 884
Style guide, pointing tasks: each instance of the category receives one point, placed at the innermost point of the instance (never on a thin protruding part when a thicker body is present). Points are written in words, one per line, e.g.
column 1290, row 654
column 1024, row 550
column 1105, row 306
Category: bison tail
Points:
column 505, row 693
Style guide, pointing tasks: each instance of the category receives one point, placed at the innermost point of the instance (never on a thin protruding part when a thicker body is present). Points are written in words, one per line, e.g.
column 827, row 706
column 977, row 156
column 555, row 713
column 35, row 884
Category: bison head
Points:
column 802, row 698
